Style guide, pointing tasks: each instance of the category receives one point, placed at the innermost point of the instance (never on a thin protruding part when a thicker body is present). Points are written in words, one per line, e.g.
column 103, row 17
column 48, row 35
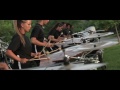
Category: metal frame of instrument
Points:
column 80, row 59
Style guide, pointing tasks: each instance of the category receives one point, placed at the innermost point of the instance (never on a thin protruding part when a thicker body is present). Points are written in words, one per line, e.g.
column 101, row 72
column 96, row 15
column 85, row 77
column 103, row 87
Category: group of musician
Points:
column 22, row 48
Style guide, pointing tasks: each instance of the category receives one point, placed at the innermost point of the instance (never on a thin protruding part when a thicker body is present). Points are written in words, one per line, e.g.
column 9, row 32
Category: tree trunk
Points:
column 117, row 34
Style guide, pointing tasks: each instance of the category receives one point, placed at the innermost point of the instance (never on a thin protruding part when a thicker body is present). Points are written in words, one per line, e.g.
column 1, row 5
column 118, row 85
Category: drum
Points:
column 97, row 35
column 88, row 36
column 70, row 42
column 73, row 51
column 82, row 49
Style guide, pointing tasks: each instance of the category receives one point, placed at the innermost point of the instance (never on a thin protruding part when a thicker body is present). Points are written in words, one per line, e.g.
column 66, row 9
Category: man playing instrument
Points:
column 37, row 38
column 56, row 34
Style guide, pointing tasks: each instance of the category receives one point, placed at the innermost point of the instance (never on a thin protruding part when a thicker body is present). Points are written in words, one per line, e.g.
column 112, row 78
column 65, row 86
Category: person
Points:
column 68, row 31
column 56, row 33
column 20, row 49
column 37, row 38
column 3, row 63
column 4, row 66
column 70, row 28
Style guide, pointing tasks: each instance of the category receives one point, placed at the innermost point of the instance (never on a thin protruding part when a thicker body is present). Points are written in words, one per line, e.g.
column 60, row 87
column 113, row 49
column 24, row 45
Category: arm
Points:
column 14, row 45
column 54, row 36
column 36, row 42
column 4, row 66
column 51, row 37
column 36, row 55
column 13, row 56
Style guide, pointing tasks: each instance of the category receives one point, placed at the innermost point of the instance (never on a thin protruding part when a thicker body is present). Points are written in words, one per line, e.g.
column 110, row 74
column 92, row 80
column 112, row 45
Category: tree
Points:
column 116, row 23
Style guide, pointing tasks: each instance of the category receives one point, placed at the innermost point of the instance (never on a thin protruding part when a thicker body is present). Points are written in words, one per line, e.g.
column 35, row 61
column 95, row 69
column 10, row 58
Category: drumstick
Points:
column 32, row 59
column 54, row 50
column 46, row 45
column 50, row 52
column 39, row 57
column 19, row 64
column 58, row 43
column 43, row 49
column 61, row 34
column 45, row 54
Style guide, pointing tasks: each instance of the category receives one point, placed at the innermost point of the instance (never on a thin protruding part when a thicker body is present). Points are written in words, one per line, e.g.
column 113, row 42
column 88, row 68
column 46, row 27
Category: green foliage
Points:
column 7, row 30
column 112, row 57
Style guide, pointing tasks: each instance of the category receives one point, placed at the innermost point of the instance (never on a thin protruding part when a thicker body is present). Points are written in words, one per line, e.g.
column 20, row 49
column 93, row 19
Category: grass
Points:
column 112, row 57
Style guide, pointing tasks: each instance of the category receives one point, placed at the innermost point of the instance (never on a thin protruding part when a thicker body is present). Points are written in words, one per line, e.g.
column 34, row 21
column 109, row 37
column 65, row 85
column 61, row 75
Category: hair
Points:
column 63, row 23
column 17, row 27
column 38, row 21
column 71, row 25
column 57, row 25
column 67, row 24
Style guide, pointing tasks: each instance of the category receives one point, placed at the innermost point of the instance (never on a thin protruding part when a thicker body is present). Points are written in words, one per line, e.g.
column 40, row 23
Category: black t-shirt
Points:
column 70, row 31
column 65, row 31
column 23, row 51
column 17, row 47
column 55, row 33
column 39, row 34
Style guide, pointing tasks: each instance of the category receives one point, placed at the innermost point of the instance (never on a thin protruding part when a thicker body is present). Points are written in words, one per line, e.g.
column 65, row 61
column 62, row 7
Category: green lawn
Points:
column 112, row 57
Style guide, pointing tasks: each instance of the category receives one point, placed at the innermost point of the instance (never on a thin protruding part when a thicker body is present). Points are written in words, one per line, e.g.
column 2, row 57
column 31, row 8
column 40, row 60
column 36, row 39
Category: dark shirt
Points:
column 67, row 32
column 2, row 58
column 70, row 31
column 38, row 33
column 55, row 33
column 17, row 47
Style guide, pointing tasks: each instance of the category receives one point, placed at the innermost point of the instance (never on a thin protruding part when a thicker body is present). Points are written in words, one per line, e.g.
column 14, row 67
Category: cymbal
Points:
column 96, row 35
column 86, row 35
column 80, row 66
column 33, row 59
column 88, row 66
